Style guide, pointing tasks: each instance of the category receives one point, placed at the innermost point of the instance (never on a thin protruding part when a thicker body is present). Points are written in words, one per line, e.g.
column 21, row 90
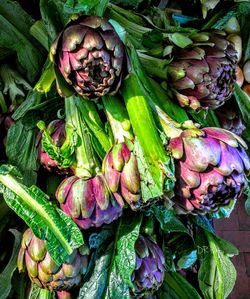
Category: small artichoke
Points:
column 88, row 202
column 229, row 118
column 149, row 271
column 210, row 169
column 56, row 129
column 43, row 271
column 90, row 56
column 203, row 75
column 121, row 172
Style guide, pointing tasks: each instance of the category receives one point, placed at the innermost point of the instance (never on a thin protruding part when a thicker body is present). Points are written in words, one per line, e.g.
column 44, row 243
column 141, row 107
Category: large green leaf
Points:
column 114, row 263
column 175, row 286
column 6, row 275
column 87, row 7
column 217, row 274
column 47, row 221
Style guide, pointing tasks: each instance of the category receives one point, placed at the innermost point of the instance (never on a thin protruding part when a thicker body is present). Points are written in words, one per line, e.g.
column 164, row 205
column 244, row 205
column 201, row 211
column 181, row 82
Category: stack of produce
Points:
column 120, row 142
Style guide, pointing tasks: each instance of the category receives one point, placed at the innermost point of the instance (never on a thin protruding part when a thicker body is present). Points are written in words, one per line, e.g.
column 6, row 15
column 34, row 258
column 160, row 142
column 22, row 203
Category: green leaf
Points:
column 6, row 275
column 53, row 16
column 203, row 222
column 87, row 7
column 28, row 55
column 21, row 151
column 175, row 286
column 168, row 220
column 47, row 221
column 180, row 40
column 114, row 263
column 217, row 274
column 46, row 80
column 187, row 260
column 243, row 102
column 247, row 202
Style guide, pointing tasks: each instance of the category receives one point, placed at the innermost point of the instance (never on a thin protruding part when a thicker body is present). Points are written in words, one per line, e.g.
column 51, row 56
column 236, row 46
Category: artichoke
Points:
column 229, row 118
column 203, row 75
column 43, row 271
column 149, row 271
column 88, row 202
column 210, row 169
column 90, row 56
column 121, row 172
column 57, row 132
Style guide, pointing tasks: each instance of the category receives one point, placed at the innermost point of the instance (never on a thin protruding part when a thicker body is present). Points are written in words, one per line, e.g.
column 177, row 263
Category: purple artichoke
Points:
column 203, row 75
column 42, row 269
column 210, row 169
column 88, row 202
column 122, row 174
column 149, row 271
column 56, row 129
column 229, row 117
column 90, row 56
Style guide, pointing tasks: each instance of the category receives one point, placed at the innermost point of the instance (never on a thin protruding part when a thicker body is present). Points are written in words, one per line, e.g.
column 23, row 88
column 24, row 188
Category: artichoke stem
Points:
column 118, row 119
column 87, row 164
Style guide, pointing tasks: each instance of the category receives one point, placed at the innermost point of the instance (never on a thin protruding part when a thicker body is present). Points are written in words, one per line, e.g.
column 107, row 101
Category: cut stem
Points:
column 118, row 118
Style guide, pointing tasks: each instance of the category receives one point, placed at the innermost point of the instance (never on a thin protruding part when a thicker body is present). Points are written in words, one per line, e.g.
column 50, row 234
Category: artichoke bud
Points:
column 89, row 55
column 43, row 271
column 122, row 175
column 211, row 169
column 149, row 272
column 203, row 74
column 89, row 203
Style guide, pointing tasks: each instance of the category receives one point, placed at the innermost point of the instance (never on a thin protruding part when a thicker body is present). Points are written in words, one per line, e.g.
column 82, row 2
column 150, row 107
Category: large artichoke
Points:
column 122, row 174
column 203, row 75
column 88, row 202
column 149, row 271
column 57, row 132
column 43, row 271
column 90, row 56
column 210, row 169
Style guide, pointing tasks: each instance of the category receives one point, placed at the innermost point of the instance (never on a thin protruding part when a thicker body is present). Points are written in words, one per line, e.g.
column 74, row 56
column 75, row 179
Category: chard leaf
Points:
column 6, row 275
column 47, row 221
column 14, row 36
column 114, row 264
column 175, row 286
column 217, row 274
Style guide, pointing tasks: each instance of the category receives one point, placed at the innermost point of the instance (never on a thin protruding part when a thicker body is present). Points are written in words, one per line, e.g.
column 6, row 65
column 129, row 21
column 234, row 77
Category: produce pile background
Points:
column 124, row 131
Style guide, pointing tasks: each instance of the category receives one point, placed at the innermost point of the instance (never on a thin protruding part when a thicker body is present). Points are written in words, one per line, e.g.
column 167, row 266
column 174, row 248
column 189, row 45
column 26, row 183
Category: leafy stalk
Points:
column 38, row 31
column 118, row 118
column 87, row 164
column 157, row 160
column 47, row 222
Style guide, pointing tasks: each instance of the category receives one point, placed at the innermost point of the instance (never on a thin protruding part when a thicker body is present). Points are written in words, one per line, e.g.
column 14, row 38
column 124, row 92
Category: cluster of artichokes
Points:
column 210, row 163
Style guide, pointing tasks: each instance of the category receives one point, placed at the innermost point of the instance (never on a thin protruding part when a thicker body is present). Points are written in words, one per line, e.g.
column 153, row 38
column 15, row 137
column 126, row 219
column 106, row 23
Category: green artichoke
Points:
column 203, row 75
column 43, row 271
column 90, row 56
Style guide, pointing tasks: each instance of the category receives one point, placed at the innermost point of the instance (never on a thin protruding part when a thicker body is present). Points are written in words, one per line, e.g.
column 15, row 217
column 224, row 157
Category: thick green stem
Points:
column 154, row 66
column 95, row 124
column 45, row 294
column 38, row 30
column 3, row 105
column 118, row 118
column 87, row 164
column 148, row 136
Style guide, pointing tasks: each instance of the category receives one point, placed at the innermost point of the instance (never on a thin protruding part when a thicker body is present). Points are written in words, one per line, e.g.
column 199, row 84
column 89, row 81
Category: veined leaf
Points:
column 114, row 264
column 47, row 221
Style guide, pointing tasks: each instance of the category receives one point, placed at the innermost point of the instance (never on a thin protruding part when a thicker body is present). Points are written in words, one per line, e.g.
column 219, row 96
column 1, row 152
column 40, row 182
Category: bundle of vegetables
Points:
column 120, row 144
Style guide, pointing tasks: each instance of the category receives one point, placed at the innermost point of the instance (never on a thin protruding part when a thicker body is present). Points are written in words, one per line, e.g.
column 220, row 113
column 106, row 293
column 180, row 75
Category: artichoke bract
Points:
column 203, row 74
column 149, row 271
column 56, row 129
column 210, row 169
column 229, row 118
column 90, row 56
column 43, row 271
column 88, row 202
column 121, row 172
